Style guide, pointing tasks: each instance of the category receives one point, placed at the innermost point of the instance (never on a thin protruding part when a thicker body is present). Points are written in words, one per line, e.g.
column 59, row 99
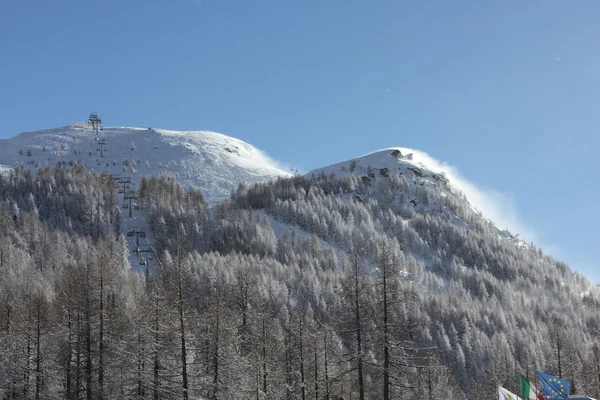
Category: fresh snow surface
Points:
column 418, row 167
column 212, row 162
column 408, row 162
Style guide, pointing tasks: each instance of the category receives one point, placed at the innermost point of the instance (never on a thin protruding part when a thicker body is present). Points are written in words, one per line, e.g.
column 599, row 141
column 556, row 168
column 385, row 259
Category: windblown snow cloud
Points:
column 282, row 166
column 498, row 207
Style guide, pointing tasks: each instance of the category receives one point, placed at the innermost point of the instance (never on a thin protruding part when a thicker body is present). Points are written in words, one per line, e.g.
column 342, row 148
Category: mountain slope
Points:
column 420, row 171
column 299, row 266
column 213, row 162
column 400, row 159
column 491, row 306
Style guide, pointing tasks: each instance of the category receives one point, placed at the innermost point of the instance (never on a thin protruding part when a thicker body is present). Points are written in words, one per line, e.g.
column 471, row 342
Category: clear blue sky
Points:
column 507, row 91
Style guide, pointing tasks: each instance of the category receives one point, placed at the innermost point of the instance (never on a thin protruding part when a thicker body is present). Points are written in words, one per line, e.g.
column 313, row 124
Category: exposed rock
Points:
column 397, row 153
column 417, row 171
column 233, row 150
column 440, row 177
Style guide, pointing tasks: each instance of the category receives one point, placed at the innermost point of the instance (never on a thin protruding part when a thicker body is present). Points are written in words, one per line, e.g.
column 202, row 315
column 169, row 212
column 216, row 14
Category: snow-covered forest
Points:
column 379, row 289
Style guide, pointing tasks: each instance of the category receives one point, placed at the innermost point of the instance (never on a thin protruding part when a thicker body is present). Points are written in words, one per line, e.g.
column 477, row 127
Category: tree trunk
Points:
column 69, row 351
column 88, row 348
column 303, row 388
column 429, row 384
column 207, row 351
column 386, row 349
column 264, row 358
column 78, row 376
column 558, row 345
column 140, row 369
column 326, row 368
column 244, row 307
column 182, row 332
column 216, row 360
column 597, row 354
column 101, row 338
column 361, row 385
column 316, row 376
column 288, row 366
column 156, row 344
column 38, row 369
column 27, row 369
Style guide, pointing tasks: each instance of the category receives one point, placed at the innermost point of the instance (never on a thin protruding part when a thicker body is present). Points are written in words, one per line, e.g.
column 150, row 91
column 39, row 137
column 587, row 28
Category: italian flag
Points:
column 528, row 391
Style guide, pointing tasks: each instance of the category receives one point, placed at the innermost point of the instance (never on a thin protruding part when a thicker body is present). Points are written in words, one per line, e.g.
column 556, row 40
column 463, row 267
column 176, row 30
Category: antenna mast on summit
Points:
column 95, row 121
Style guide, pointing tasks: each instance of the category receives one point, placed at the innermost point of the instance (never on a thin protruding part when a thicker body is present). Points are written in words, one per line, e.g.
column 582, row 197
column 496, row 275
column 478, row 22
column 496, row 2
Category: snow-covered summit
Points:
column 414, row 164
column 420, row 170
column 210, row 161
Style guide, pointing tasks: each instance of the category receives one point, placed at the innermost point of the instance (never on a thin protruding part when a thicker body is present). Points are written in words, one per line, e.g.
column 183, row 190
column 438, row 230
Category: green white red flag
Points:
column 528, row 391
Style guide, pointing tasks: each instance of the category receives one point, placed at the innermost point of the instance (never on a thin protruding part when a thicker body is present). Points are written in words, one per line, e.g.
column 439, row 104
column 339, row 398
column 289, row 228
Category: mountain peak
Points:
column 211, row 161
column 414, row 164
column 423, row 171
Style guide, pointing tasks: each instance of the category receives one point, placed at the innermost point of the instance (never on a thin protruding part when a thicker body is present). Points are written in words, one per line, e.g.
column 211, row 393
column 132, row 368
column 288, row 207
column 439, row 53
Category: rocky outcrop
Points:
column 417, row 171
column 397, row 153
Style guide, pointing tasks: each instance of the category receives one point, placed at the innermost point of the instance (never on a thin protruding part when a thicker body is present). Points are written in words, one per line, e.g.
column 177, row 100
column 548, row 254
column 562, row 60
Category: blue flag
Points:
column 554, row 387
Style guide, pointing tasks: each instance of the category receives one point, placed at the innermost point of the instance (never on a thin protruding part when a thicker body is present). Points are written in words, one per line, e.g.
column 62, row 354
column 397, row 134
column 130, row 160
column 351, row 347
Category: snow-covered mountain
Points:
column 487, row 306
column 422, row 173
column 383, row 162
column 213, row 162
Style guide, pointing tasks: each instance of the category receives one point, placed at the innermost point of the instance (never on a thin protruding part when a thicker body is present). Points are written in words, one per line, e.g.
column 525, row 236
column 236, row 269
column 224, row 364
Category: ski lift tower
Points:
column 129, row 195
column 144, row 260
column 95, row 121
column 126, row 182
column 138, row 232
column 101, row 143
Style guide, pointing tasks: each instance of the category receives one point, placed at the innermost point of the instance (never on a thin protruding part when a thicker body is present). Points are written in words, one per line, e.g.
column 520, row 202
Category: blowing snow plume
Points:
column 495, row 206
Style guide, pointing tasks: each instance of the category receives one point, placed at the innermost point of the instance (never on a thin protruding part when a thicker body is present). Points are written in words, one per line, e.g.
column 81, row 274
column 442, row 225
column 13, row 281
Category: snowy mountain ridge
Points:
column 211, row 161
column 216, row 163
column 384, row 162
column 294, row 253
column 421, row 170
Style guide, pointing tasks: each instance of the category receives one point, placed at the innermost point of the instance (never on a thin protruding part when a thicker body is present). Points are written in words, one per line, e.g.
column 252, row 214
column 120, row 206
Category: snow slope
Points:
column 406, row 161
column 210, row 161
column 420, row 170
